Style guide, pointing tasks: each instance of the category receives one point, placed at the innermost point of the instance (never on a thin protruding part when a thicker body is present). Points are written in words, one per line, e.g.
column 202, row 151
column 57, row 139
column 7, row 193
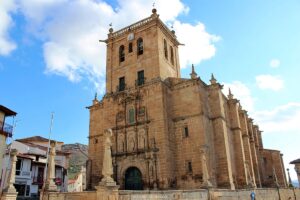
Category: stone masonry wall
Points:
column 213, row 194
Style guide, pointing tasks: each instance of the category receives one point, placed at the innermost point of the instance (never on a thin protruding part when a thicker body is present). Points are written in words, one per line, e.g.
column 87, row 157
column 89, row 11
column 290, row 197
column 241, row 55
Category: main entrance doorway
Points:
column 133, row 179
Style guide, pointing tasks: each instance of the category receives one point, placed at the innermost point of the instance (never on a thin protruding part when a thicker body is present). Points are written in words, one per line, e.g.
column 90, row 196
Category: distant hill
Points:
column 78, row 157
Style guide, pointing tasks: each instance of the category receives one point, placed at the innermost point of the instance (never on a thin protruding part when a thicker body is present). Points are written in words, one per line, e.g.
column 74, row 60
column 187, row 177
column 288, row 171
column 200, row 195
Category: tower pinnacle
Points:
column 193, row 74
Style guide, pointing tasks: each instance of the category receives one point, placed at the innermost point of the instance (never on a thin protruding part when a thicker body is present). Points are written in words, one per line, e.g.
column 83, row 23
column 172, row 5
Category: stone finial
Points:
column 172, row 31
column 95, row 101
column 193, row 74
column 230, row 95
column 154, row 11
column 212, row 80
column 111, row 30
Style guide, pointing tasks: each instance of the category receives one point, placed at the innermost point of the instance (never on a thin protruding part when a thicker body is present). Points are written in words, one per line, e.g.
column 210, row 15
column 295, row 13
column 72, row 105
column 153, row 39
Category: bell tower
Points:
column 139, row 53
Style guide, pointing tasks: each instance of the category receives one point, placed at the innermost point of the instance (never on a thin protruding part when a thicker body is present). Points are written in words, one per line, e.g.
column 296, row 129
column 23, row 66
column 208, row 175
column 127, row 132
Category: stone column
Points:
column 224, row 176
column 107, row 188
column 50, row 184
column 247, row 148
column 9, row 192
column 239, row 153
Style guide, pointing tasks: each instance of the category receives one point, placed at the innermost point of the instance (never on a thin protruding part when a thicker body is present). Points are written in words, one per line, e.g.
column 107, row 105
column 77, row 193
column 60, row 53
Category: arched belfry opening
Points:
column 133, row 179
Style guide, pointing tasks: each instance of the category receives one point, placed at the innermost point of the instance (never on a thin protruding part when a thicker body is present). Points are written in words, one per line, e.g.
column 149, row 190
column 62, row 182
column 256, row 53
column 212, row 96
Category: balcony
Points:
column 23, row 174
column 38, row 180
column 6, row 129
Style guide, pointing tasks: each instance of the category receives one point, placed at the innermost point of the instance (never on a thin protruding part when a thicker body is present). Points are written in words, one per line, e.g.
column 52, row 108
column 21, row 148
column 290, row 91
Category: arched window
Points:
column 140, row 46
column 121, row 53
column 131, row 116
column 165, row 49
column 172, row 55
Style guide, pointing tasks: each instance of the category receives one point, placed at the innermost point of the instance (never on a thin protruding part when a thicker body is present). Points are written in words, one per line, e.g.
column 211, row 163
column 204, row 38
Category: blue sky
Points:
column 50, row 59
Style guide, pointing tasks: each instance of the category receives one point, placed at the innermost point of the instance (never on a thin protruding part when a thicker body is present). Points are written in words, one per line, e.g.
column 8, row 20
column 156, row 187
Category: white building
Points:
column 78, row 183
column 31, row 163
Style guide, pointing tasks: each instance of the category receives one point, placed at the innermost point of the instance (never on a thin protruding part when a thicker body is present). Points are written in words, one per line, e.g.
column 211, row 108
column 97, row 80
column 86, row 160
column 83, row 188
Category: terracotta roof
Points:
column 35, row 139
column 295, row 161
column 71, row 181
column 7, row 111
column 46, row 148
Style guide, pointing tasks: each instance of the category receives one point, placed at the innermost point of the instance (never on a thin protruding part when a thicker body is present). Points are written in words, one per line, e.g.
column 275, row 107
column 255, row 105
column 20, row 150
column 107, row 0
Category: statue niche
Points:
column 142, row 140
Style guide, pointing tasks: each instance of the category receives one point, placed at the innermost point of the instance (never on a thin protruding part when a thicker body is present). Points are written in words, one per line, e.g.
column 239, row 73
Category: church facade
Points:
column 171, row 132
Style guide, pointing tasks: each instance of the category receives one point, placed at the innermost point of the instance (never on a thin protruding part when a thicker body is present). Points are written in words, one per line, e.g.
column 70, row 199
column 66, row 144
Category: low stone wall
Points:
column 164, row 194
column 90, row 195
column 212, row 194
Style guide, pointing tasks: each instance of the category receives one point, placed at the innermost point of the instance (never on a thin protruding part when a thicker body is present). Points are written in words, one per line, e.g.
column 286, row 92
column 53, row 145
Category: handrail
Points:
column 6, row 128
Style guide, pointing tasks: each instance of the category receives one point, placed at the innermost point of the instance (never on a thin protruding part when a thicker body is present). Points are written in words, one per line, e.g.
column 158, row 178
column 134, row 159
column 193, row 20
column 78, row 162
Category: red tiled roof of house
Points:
column 7, row 111
column 35, row 139
column 297, row 161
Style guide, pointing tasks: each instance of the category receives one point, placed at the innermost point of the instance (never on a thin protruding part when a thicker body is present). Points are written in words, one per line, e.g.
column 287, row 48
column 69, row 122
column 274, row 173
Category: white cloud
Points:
column 242, row 93
column 284, row 118
column 70, row 30
column 281, row 123
column 274, row 63
column 199, row 45
column 269, row 82
column 6, row 44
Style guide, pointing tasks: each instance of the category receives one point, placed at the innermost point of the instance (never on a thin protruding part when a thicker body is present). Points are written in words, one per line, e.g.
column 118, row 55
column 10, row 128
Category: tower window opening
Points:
column 172, row 55
column 189, row 167
column 122, row 53
column 140, row 46
column 185, row 132
column 166, row 49
column 130, row 47
column 141, row 79
column 121, row 84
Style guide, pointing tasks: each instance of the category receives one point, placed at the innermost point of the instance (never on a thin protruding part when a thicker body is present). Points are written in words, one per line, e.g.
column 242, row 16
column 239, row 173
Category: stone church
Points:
column 171, row 132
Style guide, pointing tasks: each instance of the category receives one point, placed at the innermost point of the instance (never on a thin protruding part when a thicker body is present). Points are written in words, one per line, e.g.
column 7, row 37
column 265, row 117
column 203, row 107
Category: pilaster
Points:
column 253, row 151
column 258, row 155
column 241, row 173
column 247, row 147
column 221, row 144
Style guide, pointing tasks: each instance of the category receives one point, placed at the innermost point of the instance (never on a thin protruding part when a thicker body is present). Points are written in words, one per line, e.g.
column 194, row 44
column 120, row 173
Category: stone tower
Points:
column 146, row 49
column 168, row 131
